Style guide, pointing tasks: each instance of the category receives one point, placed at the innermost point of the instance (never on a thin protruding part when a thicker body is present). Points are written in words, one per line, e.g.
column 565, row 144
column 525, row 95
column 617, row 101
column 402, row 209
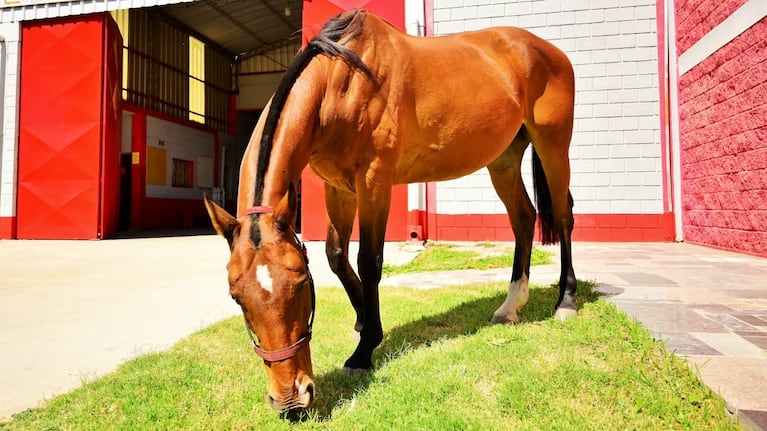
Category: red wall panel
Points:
column 317, row 12
column 313, row 215
column 588, row 227
column 61, row 133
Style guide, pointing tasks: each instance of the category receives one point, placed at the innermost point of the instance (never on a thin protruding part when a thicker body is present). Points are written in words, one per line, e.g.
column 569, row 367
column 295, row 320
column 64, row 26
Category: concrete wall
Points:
column 180, row 142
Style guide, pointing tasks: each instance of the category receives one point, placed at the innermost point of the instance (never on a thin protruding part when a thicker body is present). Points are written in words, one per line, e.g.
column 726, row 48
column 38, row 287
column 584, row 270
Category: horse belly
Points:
column 447, row 163
column 460, row 121
column 458, row 146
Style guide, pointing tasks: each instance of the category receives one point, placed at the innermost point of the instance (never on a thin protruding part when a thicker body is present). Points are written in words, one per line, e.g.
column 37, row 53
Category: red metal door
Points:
column 313, row 227
column 62, row 159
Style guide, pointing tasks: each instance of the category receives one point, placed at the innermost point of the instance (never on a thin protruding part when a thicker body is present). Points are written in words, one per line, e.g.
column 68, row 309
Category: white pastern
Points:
column 264, row 278
column 518, row 296
column 565, row 313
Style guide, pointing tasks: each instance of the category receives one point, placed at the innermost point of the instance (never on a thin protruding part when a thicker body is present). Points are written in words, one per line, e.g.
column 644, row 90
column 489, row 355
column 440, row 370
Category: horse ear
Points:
column 286, row 211
column 222, row 221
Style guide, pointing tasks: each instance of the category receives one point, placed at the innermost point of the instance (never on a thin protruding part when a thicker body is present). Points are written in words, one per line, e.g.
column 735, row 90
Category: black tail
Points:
column 548, row 229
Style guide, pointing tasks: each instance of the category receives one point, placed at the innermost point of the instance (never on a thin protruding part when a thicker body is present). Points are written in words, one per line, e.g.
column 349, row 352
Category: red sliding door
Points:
column 69, row 134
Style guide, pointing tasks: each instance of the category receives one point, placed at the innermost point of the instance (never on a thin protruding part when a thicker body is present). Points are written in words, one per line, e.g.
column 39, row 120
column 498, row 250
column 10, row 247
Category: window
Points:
column 183, row 173
column 196, row 80
column 121, row 17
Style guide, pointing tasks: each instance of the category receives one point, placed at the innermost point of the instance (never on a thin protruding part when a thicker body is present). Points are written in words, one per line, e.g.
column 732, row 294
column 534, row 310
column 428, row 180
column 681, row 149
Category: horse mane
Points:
column 347, row 24
column 326, row 42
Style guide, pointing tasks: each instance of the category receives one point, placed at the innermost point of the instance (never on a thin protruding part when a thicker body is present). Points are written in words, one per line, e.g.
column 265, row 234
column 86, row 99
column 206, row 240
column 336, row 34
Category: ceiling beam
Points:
column 279, row 14
column 162, row 14
column 237, row 23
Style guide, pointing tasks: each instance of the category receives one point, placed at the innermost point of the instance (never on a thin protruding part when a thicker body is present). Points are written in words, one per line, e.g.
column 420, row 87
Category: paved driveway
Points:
column 74, row 310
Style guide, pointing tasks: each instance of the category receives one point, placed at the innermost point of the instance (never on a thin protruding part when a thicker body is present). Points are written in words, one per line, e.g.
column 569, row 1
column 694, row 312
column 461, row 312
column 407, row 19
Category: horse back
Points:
column 459, row 100
column 442, row 107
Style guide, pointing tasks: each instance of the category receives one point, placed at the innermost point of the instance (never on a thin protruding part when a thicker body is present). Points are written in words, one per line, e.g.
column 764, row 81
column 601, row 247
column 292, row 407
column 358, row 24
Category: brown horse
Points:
column 367, row 107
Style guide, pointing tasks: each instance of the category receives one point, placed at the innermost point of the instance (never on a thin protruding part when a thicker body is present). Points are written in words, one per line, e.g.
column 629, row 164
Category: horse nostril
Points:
column 310, row 391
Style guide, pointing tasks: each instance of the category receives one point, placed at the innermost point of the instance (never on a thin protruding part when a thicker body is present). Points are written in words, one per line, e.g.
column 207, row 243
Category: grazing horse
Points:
column 368, row 107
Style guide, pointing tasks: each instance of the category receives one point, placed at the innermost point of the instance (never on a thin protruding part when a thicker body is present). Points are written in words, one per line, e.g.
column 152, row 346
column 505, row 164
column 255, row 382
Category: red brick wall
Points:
column 723, row 135
column 693, row 20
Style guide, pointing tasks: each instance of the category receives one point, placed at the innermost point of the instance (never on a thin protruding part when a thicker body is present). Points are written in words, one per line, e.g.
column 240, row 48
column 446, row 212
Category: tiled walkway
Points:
column 709, row 305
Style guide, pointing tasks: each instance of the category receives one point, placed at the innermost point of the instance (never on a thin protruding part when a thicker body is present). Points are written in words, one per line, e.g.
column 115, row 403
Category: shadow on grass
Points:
column 464, row 319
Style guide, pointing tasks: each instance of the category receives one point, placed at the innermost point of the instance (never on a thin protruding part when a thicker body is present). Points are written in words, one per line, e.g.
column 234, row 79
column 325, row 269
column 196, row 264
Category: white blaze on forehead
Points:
column 264, row 278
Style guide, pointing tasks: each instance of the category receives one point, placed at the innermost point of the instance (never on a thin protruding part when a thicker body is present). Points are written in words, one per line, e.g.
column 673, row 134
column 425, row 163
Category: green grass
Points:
column 447, row 258
column 442, row 366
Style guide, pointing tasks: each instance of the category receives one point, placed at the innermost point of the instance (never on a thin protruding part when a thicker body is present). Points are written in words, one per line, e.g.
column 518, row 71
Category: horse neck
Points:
column 293, row 136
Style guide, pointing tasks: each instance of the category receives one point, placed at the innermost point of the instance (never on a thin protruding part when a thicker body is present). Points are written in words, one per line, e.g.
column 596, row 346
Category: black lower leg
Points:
column 371, row 334
column 567, row 281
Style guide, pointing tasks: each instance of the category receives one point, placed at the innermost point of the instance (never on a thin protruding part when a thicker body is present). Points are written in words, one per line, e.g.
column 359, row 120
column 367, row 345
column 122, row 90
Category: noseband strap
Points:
column 281, row 354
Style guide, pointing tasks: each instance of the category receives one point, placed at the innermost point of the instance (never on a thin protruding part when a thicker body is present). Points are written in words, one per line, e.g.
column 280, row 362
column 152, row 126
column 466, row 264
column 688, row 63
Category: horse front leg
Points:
column 373, row 214
column 505, row 173
column 342, row 207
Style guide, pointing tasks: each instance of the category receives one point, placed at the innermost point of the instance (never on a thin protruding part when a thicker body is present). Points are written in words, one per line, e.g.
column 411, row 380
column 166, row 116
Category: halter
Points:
column 259, row 210
column 290, row 351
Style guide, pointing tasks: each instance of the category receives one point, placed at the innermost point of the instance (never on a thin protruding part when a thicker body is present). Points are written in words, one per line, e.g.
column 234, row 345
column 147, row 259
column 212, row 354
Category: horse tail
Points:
column 548, row 228
column 549, row 232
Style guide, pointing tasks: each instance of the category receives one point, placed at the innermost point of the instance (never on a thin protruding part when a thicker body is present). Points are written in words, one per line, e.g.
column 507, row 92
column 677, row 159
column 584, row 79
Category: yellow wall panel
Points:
column 156, row 166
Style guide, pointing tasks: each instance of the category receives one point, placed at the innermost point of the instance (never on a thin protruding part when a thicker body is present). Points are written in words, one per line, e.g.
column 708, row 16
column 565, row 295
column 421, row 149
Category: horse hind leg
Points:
column 551, row 173
column 507, row 179
column 342, row 207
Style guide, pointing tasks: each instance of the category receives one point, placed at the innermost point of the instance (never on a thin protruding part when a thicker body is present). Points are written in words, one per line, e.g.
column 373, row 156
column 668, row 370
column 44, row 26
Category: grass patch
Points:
column 441, row 366
column 445, row 257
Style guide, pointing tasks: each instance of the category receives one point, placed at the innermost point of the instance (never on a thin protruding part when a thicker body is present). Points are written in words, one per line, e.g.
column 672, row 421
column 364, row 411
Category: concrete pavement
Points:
column 74, row 310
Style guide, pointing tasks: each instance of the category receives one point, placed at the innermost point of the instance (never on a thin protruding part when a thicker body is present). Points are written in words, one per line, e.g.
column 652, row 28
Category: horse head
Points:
column 269, row 278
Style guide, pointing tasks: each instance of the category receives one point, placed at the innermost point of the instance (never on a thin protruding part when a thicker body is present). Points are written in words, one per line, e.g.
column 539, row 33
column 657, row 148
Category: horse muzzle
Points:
column 300, row 399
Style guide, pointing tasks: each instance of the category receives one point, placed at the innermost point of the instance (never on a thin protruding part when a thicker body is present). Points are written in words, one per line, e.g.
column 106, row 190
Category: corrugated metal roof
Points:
column 241, row 27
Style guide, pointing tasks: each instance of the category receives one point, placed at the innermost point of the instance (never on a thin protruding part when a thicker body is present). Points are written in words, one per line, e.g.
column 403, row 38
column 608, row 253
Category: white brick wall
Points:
column 181, row 143
column 615, row 151
column 9, row 142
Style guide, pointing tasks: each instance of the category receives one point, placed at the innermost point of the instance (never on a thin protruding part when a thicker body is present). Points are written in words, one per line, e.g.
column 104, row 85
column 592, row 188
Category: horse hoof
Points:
column 565, row 313
column 503, row 319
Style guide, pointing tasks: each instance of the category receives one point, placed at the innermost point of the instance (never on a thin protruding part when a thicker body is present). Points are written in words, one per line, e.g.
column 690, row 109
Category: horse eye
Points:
column 303, row 281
